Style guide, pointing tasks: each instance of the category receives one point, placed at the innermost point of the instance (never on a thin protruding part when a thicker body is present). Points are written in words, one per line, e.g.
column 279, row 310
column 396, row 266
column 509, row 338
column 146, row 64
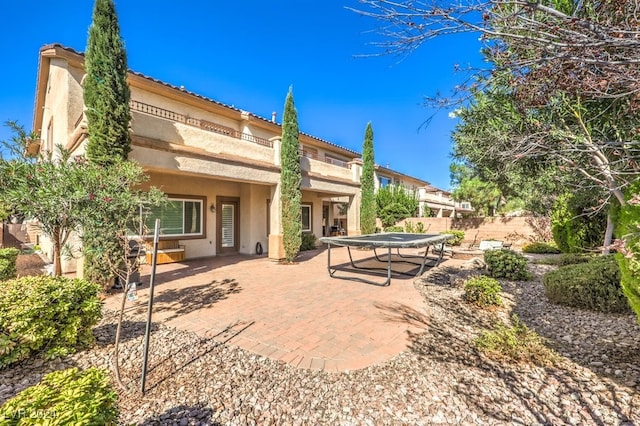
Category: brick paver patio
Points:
column 293, row 313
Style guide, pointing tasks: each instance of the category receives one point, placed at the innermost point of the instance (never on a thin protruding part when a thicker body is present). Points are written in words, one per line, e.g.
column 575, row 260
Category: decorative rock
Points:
column 439, row 379
column 474, row 263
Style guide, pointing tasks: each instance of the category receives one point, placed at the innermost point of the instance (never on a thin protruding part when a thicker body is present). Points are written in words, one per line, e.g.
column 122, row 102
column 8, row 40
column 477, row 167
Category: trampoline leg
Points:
column 388, row 267
column 424, row 262
column 329, row 260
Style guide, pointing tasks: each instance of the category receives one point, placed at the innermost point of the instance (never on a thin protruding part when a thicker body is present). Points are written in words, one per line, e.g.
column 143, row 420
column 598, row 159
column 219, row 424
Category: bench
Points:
column 169, row 251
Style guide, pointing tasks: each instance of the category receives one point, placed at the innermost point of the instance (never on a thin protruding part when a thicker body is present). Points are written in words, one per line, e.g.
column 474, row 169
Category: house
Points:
column 219, row 165
column 441, row 204
column 432, row 201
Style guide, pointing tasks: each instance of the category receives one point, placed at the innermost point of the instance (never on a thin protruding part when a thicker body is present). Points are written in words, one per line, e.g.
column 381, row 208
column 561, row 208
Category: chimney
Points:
column 273, row 117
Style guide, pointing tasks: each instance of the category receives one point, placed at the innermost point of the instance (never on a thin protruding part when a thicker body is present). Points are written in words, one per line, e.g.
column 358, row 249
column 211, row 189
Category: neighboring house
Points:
column 441, row 204
column 438, row 201
column 219, row 165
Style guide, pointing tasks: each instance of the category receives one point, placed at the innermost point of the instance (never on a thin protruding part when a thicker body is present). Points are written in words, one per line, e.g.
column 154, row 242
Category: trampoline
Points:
column 386, row 241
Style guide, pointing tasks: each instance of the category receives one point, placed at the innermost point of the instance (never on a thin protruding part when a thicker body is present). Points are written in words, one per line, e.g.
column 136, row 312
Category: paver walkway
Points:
column 294, row 313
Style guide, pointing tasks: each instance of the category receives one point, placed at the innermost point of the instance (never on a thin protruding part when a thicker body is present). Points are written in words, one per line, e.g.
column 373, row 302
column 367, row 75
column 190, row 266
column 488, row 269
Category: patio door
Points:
column 228, row 224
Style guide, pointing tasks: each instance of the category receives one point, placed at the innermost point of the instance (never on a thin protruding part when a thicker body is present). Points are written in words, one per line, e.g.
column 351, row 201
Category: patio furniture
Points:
column 490, row 245
column 169, row 251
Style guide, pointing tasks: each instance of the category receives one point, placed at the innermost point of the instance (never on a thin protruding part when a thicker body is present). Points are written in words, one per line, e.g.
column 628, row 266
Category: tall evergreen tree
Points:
column 367, row 185
column 290, row 181
column 106, row 93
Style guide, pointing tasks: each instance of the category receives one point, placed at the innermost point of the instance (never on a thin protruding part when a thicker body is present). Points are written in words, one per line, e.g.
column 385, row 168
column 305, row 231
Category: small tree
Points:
column 290, row 181
column 51, row 190
column 106, row 93
column 395, row 202
column 112, row 220
column 367, row 185
column 68, row 194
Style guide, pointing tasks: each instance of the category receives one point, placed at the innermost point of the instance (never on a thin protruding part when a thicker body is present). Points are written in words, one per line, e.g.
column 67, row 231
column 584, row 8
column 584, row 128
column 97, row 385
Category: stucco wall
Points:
column 57, row 104
column 253, row 204
column 516, row 230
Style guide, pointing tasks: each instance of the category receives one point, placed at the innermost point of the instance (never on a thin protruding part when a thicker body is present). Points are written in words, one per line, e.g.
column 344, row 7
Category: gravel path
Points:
column 439, row 379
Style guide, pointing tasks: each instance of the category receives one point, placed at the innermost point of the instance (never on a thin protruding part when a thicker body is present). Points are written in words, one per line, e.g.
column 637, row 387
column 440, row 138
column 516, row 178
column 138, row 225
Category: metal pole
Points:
column 147, row 333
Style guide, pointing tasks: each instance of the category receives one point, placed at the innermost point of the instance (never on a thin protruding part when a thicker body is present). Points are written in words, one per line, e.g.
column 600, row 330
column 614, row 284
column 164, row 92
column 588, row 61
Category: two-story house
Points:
column 219, row 165
column 432, row 201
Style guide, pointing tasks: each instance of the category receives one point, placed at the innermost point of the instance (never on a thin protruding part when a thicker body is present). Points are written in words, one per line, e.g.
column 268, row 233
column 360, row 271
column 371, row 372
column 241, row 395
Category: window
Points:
column 384, row 181
column 307, row 151
column 180, row 217
column 306, row 217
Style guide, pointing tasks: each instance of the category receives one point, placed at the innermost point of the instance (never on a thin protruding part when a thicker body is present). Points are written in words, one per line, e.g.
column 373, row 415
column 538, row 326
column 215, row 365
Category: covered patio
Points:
column 293, row 313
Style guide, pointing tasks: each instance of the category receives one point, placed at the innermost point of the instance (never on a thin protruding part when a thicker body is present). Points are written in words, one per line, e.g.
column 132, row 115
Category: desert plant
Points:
column 53, row 315
column 409, row 228
column 563, row 259
column 515, row 343
column 458, row 236
column 308, row 242
column 8, row 257
column 63, row 398
column 482, row 291
column 420, row 228
column 507, row 264
column 594, row 285
column 540, row 247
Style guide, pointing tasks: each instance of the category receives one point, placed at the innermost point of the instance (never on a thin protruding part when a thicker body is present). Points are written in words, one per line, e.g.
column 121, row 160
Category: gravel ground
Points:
column 439, row 379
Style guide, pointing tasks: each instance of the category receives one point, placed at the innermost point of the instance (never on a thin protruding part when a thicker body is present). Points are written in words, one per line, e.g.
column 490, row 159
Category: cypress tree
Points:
column 367, row 185
column 290, row 181
column 106, row 93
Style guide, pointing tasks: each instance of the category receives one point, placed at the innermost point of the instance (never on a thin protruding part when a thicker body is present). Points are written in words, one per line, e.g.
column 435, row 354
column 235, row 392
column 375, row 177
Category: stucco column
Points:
column 353, row 215
column 276, row 248
column 276, row 141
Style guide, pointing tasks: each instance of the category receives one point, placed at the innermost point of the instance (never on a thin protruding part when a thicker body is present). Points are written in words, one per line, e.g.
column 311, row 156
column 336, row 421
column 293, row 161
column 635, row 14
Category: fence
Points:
column 516, row 230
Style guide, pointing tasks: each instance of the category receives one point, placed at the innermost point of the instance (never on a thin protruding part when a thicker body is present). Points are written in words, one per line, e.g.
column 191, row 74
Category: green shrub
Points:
column 540, row 248
column 627, row 221
column 507, row 264
column 629, row 282
column 49, row 314
column 483, row 291
column 63, row 398
column 515, row 343
column 393, row 213
column 458, row 236
column 308, row 242
column 574, row 231
column 409, row 227
column 420, row 228
column 594, row 285
column 396, row 228
column 8, row 257
column 564, row 259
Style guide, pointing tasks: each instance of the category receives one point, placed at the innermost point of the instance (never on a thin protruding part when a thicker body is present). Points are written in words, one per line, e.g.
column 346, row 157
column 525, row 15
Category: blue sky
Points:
column 247, row 54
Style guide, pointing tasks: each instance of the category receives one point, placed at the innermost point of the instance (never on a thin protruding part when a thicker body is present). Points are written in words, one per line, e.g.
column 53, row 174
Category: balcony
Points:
column 206, row 125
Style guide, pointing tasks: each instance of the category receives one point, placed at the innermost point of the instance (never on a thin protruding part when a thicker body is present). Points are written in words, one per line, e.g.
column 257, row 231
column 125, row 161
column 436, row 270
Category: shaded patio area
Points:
column 293, row 313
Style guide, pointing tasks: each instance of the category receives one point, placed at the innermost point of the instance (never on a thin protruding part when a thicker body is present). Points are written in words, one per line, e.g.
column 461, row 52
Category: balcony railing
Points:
column 336, row 162
column 196, row 122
